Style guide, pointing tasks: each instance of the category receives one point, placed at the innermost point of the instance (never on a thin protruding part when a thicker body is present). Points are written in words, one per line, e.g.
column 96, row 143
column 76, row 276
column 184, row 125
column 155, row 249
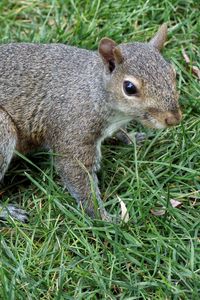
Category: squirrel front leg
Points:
column 77, row 170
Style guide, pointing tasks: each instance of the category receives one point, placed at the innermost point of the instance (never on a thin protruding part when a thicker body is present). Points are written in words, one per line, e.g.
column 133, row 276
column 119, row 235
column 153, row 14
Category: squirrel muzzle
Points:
column 155, row 118
column 173, row 118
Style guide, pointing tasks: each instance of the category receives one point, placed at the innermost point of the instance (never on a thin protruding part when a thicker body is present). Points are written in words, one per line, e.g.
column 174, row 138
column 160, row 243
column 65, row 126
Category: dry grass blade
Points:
column 124, row 213
column 186, row 57
column 195, row 69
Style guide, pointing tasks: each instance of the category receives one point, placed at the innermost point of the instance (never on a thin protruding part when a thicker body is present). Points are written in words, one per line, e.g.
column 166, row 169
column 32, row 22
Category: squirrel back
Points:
column 39, row 83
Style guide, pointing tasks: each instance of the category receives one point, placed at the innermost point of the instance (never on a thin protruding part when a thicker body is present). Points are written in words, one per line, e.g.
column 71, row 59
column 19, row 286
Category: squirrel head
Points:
column 140, row 82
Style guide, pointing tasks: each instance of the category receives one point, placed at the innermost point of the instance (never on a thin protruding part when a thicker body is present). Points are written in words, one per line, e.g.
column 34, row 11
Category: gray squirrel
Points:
column 69, row 100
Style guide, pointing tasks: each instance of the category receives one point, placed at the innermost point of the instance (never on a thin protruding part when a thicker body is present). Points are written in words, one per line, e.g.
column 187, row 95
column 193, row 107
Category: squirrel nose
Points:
column 173, row 118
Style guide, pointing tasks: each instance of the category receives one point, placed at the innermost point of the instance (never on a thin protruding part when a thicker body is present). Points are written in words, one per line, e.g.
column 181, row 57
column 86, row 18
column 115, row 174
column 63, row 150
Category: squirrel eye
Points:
column 129, row 88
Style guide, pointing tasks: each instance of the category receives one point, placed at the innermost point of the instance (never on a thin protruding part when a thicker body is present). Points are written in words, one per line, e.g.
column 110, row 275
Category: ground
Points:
column 62, row 253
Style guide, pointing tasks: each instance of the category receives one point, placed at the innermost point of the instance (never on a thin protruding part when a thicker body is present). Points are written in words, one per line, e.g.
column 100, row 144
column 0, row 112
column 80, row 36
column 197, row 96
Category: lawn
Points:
column 62, row 253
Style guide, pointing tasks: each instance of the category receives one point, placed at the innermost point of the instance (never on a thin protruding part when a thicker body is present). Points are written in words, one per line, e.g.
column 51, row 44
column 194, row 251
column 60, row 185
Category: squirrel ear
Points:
column 160, row 38
column 110, row 54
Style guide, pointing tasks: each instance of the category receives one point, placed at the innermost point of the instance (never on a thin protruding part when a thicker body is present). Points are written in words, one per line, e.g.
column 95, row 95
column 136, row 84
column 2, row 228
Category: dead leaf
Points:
column 124, row 213
column 196, row 71
column 161, row 211
column 158, row 212
column 175, row 203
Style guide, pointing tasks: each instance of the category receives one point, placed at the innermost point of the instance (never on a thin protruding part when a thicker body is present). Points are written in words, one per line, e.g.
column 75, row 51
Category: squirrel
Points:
column 69, row 99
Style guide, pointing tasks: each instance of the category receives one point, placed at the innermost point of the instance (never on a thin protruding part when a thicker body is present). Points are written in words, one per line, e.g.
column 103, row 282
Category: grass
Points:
column 62, row 253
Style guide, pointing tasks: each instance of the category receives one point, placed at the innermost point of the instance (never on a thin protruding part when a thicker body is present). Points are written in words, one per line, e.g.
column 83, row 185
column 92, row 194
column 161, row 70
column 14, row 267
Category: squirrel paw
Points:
column 16, row 213
column 140, row 137
column 124, row 137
